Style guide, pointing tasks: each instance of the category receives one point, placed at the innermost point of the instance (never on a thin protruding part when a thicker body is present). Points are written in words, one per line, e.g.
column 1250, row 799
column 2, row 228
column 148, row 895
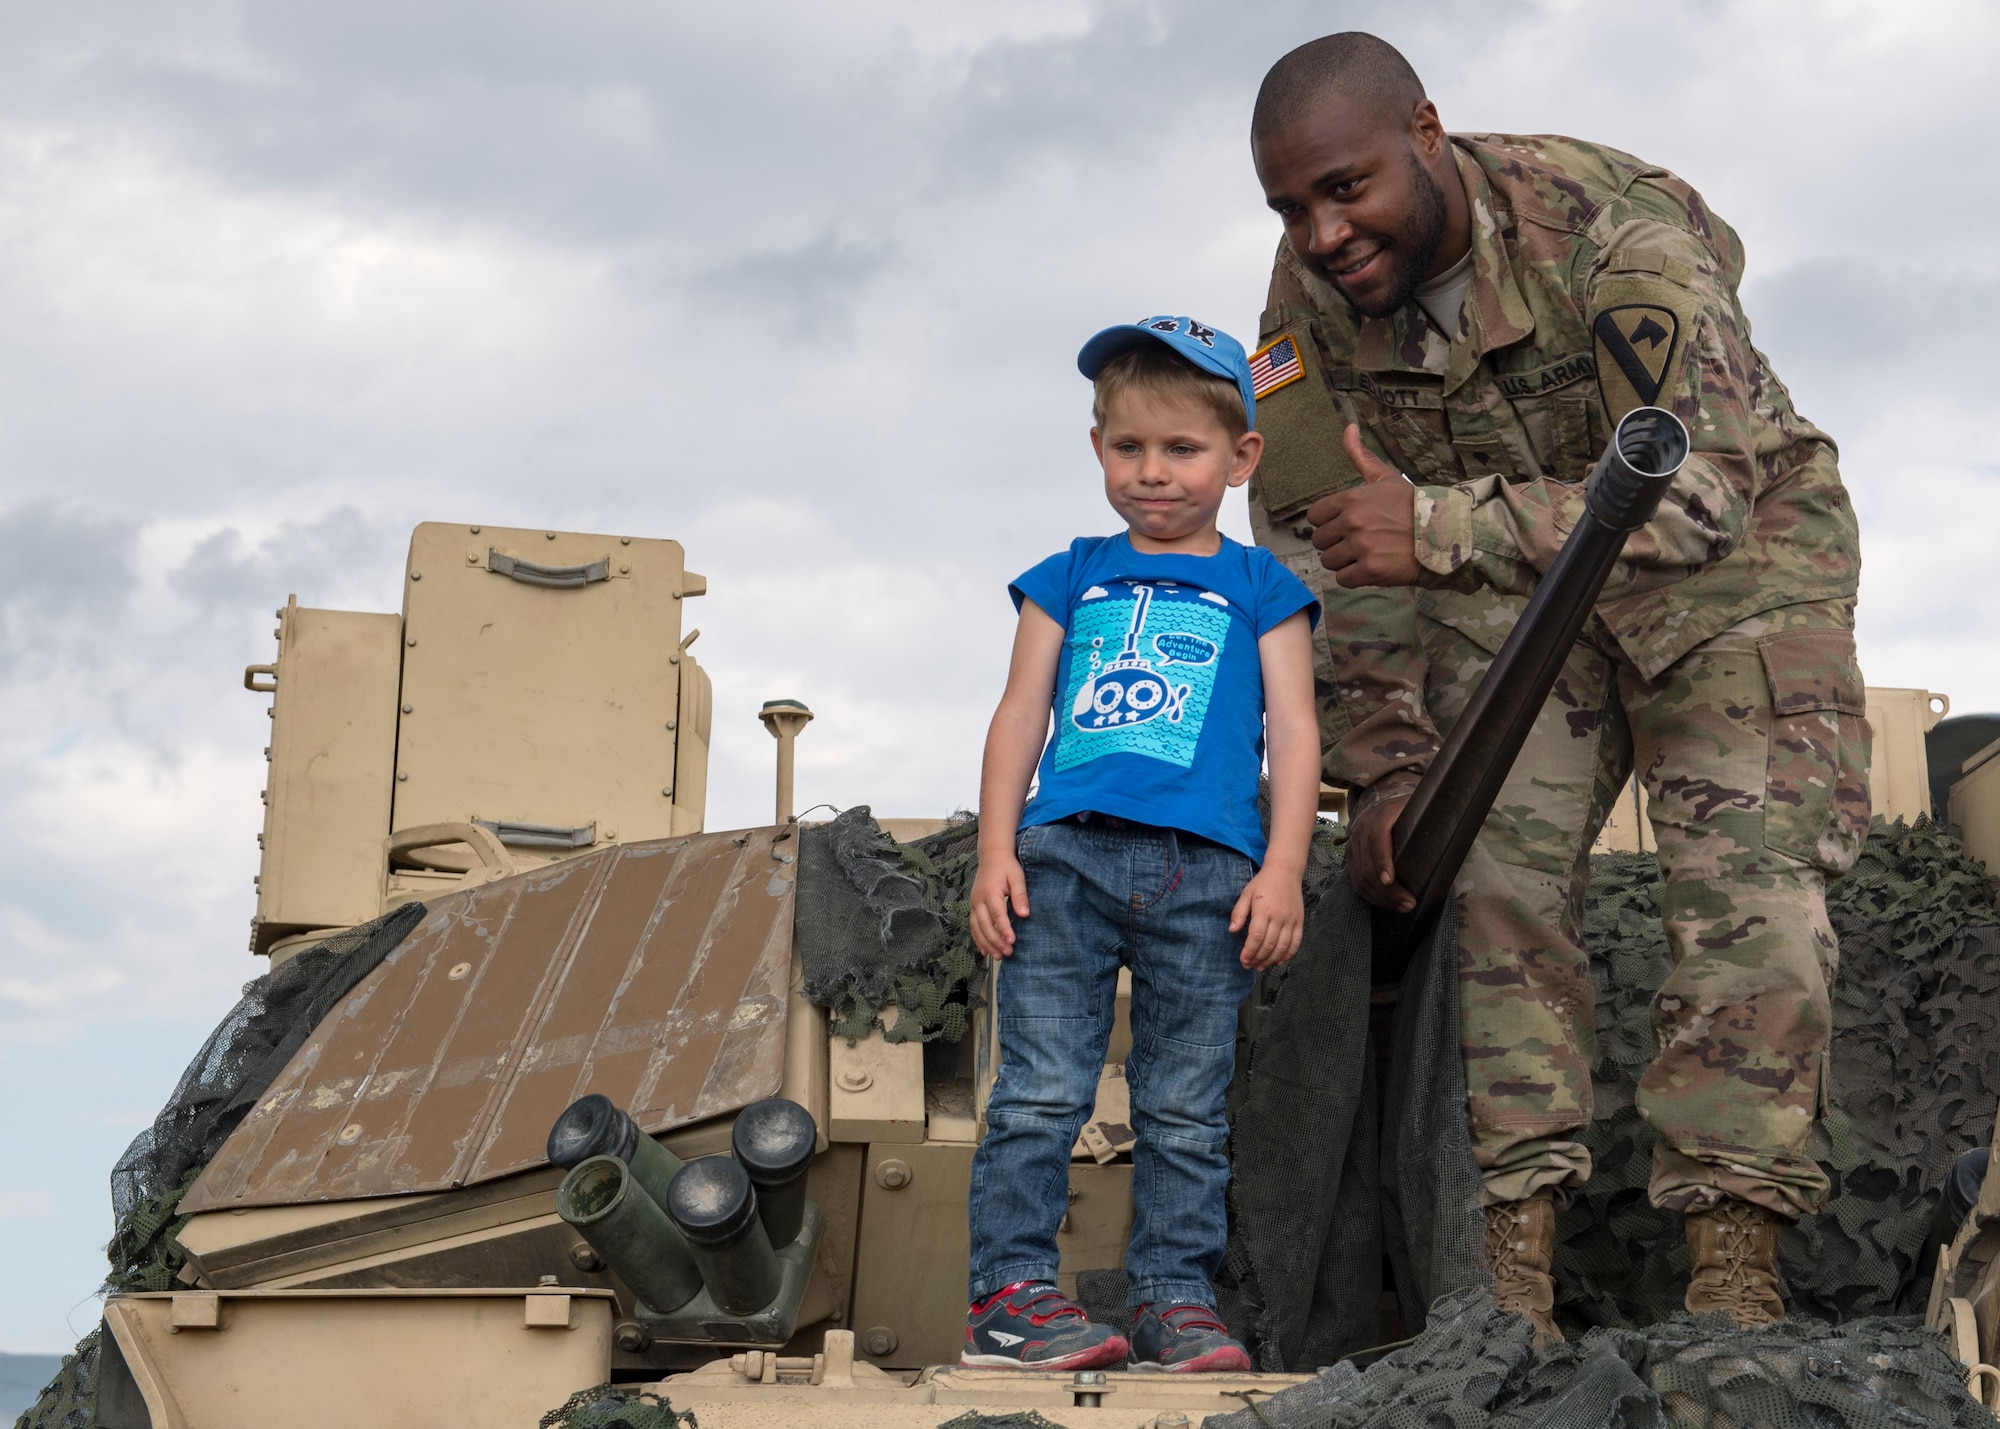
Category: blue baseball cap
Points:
column 1210, row 349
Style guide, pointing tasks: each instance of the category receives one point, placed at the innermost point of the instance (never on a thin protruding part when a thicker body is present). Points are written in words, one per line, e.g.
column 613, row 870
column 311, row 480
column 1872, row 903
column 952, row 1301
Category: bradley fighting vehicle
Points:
column 764, row 1220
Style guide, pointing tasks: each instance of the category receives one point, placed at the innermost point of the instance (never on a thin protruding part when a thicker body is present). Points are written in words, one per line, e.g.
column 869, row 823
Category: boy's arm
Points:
column 1013, row 745
column 1273, row 904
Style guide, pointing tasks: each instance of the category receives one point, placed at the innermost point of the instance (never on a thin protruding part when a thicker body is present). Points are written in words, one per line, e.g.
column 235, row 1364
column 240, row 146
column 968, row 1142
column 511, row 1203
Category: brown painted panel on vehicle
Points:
column 652, row 972
column 457, row 1040
column 684, row 987
column 606, row 1019
column 284, row 1139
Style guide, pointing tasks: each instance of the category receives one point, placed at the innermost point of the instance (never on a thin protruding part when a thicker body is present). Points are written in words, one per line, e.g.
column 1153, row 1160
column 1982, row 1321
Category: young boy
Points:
column 1171, row 656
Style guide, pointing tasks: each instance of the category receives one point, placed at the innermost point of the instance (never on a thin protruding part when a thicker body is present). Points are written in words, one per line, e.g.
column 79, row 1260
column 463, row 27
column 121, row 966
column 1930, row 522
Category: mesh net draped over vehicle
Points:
column 882, row 924
column 1474, row 1368
column 1328, row 1176
column 612, row 1406
column 69, row 1401
column 275, row 1015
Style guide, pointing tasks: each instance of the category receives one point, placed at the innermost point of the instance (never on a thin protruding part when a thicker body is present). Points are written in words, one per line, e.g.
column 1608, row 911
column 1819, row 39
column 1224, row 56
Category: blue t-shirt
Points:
column 1159, row 708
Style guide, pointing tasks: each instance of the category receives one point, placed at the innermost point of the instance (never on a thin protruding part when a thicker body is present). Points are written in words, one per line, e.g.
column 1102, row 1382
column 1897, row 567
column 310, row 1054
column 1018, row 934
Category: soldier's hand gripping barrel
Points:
column 1435, row 831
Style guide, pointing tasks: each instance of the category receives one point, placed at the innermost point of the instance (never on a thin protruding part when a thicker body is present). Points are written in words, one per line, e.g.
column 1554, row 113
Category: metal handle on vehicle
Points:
column 528, row 573
column 485, row 848
column 512, row 831
column 250, row 674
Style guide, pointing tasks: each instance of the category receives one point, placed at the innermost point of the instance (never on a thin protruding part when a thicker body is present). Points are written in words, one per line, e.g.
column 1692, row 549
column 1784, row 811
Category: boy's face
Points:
column 1167, row 463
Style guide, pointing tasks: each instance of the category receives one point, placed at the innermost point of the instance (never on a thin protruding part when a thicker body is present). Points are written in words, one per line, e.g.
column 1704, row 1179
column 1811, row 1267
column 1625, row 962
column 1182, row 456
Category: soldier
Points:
column 1455, row 324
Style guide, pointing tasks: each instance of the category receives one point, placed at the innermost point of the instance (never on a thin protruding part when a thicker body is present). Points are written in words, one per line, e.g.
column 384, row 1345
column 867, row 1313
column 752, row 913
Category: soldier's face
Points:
column 1360, row 205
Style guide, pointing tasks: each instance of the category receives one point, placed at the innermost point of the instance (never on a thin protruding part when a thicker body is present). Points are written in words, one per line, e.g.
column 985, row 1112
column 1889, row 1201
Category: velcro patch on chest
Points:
column 1560, row 373
column 1406, row 396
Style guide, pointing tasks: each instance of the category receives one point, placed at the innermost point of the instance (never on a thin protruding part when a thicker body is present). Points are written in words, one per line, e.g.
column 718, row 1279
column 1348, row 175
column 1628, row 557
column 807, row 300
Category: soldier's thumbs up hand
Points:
column 1367, row 534
column 1371, row 467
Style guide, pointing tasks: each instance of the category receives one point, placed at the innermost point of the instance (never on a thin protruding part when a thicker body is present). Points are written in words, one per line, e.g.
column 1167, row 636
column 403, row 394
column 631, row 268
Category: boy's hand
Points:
column 1001, row 883
column 1275, row 908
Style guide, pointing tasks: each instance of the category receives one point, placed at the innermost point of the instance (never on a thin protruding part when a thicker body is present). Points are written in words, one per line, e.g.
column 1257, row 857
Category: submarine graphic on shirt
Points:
column 1143, row 661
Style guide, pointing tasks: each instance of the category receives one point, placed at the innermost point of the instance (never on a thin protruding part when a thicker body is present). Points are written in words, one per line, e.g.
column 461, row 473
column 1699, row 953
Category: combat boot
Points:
column 1520, row 1249
column 1734, row 1247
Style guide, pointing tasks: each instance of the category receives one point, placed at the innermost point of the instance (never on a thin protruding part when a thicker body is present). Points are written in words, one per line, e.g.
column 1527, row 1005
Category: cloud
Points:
column 26, row 1205
column 59, row 566
column 810, row 289
column 224, row 571
column 1870, row 332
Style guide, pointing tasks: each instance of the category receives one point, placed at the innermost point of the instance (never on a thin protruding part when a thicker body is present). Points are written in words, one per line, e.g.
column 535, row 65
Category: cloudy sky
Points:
column 800, row 286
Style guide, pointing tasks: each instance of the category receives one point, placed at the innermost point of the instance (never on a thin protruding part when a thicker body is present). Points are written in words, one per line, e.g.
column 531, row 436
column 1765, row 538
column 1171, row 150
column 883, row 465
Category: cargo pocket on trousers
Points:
column 1816, row 777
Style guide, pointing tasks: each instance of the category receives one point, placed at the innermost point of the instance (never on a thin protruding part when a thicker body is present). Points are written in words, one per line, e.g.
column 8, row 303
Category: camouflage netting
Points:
column 1473, row 1368
column 70, row 1399
column 1327, row 1177
column 241, row 1057
column 610, row 1406
column 238, row 1061
column 1915, row 1078
column 880, row 923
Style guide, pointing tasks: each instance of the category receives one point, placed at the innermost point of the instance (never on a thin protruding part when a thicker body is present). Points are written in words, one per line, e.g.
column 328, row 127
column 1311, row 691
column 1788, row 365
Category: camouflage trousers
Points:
column 1752, row 750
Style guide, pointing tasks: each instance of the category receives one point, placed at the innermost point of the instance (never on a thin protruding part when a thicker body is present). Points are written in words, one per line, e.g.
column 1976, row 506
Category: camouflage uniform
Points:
column 1719, row 662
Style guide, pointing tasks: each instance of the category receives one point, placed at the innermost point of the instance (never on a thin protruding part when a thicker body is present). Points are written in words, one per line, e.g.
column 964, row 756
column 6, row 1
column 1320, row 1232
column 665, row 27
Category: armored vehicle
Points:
column 553, row 1099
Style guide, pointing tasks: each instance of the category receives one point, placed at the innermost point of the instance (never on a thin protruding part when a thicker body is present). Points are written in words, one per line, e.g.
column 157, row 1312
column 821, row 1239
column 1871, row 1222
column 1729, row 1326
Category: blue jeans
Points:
column 1101, row 895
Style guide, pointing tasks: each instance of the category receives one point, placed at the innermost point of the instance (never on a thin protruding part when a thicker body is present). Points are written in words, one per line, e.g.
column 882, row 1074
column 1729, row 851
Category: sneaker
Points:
column 1184, row 1339
column 1033, row 1325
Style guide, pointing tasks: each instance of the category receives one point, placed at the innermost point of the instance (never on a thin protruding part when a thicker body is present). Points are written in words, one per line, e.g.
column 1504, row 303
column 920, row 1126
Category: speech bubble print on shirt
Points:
column 1177, row 647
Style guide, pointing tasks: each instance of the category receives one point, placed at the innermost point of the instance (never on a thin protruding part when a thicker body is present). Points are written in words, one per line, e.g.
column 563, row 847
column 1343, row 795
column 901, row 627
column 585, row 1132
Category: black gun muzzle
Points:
column 1436, row 828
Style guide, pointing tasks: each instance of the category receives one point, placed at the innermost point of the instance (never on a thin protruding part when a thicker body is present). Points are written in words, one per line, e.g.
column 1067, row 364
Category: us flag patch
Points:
column 1272, row 366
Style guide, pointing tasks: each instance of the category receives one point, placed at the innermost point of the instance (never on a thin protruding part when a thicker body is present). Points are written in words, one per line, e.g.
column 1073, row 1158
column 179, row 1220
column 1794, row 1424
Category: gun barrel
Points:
column 1436, row 828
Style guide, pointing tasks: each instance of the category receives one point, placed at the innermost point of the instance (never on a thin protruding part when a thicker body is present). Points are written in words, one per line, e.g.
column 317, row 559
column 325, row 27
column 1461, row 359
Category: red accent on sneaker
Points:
column 980, row 1307
column 1064, row 1309
column 1108, row 1355
column 1226, row 1359
column 1188, row 1317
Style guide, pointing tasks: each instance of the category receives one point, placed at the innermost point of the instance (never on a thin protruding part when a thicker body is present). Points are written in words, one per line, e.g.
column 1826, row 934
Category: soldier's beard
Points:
column 1414, row 249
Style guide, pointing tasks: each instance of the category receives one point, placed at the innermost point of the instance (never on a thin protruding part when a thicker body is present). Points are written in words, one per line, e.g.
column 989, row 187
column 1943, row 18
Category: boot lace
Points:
column 1740, row 1290
column 1502, row 1246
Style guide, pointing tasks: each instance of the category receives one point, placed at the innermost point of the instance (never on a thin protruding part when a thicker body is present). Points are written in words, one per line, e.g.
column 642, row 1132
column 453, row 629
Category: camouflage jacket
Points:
column 1599, row 284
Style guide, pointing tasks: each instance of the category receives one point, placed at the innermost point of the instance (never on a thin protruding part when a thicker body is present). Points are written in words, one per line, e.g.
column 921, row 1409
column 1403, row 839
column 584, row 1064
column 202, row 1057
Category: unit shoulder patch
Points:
column 1636, row 343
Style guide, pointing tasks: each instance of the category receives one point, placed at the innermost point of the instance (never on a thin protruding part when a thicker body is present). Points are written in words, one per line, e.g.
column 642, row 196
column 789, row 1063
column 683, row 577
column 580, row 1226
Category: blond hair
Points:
column 1158, row 371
